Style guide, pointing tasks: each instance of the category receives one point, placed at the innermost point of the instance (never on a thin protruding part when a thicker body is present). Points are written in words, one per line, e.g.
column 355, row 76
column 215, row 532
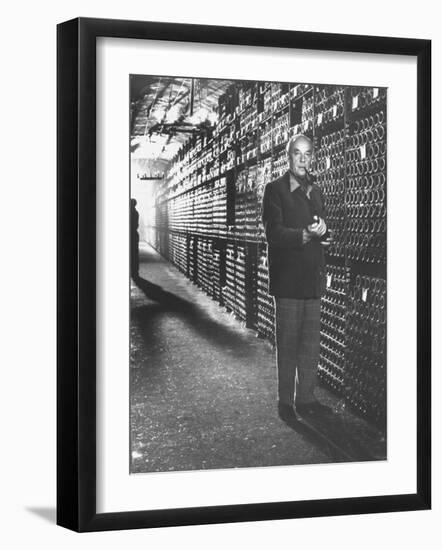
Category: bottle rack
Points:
column 208, row 217
column 334, row 305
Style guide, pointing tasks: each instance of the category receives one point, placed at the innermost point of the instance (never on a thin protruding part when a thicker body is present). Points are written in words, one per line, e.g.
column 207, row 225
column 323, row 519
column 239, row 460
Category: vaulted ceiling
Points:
column 167, row 111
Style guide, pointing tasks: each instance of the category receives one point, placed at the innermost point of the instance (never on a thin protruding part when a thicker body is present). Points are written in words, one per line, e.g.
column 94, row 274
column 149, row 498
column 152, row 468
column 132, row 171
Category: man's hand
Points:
column 306, row 237
column 317, row 229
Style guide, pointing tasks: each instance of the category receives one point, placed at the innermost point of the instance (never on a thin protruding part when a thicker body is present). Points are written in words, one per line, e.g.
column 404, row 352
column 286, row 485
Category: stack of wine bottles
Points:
column 208, row 218
column 266, row 308
column 334, row 326
column 365, row 369
column 366, row 160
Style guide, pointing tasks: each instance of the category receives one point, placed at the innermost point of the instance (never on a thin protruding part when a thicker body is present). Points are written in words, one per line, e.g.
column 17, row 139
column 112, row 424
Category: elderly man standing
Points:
column 296, row 233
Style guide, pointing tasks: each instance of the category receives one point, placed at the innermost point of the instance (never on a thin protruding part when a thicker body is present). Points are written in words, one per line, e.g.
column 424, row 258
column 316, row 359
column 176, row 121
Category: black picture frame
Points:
column 76, row 273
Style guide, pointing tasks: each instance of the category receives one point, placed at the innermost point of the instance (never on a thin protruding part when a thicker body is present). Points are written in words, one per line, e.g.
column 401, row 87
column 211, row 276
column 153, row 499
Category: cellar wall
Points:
column 208, row 219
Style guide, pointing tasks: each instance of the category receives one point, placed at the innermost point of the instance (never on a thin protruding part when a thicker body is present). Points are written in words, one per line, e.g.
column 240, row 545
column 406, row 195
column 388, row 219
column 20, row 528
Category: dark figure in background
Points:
column 296, row 233
column 134, row 240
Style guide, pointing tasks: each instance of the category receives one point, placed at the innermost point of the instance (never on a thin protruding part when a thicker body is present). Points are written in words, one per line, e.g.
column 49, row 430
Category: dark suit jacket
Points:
column 296, row 270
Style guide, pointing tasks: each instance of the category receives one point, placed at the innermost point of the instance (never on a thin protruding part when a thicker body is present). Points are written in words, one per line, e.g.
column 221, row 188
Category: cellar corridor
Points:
column 202, row 388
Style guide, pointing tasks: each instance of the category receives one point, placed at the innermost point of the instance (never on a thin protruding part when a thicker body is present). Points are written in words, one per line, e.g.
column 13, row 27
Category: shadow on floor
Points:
column 217, row 333
column 158, row 294
column 48, row 514
column 332, row 434
column 341, row 439
column 314, row 437
column 146, row 254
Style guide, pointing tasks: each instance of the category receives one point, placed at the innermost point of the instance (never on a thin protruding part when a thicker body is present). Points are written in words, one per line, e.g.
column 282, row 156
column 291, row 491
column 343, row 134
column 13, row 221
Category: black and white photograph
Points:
column 258, row 273
column 232, row 334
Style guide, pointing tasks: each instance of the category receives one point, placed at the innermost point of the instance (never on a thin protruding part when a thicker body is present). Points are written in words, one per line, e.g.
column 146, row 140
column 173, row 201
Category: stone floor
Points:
column 203, row 388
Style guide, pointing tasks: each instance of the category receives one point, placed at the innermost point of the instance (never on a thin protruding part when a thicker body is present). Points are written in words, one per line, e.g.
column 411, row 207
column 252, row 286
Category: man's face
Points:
column 300, row 156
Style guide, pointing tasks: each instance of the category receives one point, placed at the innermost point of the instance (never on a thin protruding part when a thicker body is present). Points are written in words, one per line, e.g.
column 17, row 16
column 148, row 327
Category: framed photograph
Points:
column 238, row 210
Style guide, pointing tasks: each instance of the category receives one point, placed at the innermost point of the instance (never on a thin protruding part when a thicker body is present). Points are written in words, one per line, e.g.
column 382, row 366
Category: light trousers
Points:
column 297, row 324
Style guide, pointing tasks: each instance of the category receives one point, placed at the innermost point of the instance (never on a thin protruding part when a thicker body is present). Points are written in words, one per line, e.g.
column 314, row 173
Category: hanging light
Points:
column 159, row 114
column 203, row 115
column 173, row 114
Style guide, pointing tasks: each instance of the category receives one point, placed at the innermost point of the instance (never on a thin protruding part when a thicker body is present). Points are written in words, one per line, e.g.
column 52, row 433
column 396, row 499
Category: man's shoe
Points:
column 286, row 412
column 312, row 408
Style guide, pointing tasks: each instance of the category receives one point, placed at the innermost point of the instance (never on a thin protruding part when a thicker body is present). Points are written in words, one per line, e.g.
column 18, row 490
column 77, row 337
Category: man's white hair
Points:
column 293, row 139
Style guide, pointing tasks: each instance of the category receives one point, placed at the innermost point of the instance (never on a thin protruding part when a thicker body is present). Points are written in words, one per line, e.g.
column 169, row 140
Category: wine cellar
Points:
column 206, row 218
